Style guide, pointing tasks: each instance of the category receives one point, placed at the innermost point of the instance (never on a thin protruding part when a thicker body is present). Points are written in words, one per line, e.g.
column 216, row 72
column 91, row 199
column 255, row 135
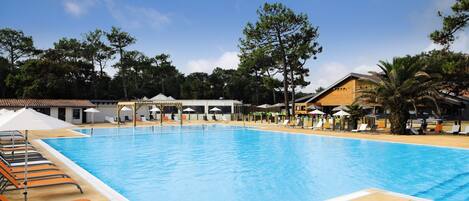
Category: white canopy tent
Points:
column 92, row 111
column 318, row 112
column 189, row 110
column 28, row 119
column 215, row 109
column 341, row 113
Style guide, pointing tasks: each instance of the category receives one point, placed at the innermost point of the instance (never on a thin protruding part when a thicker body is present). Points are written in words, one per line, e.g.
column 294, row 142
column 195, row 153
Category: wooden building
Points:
column 341, row 93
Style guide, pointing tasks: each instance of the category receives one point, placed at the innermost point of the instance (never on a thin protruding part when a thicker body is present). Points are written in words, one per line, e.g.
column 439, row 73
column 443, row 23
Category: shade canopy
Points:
column 3, row 110
column 155, row 109
column 188, row 110
column 264, row 106
column 317, row 112
column 29, row 119
column 341, row 113
column 215, row 109
column 91, row 110
column 125, row 108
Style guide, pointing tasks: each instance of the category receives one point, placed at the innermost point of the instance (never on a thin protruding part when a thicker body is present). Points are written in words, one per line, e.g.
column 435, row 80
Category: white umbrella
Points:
column 215, row 109
column 125, row 108
column 92, row 111
column 341, row 113
column 317, row 112
column 188, row 110
column 3, row 110
column 29, row 119
column 155, row 109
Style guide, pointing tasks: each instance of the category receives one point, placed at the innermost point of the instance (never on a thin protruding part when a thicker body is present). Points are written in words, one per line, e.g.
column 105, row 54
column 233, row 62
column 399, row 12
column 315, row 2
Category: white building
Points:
column 69, row 110
column 201, row 108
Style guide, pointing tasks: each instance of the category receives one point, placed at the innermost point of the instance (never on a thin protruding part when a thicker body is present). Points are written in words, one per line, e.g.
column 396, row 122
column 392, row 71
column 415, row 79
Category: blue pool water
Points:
column 234, row 163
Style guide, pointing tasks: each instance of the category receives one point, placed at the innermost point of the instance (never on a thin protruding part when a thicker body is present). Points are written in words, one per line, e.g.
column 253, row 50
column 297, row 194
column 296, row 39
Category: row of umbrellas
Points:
column 155, row 109
column 339, row 113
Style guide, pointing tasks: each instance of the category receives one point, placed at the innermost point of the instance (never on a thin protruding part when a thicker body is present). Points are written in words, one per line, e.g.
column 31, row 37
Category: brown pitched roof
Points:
column 45, row 103
column 350, row 75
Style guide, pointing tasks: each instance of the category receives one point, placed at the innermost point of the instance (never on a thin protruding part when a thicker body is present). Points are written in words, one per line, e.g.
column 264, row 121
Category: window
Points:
column 76, row 113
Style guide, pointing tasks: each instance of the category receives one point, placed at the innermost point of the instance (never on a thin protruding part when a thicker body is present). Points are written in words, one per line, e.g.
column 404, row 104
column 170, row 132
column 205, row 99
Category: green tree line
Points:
column 76, row 68
column 273, row 53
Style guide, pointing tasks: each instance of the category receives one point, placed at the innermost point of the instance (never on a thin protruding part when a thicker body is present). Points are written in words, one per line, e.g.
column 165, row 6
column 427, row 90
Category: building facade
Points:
column 71, row 111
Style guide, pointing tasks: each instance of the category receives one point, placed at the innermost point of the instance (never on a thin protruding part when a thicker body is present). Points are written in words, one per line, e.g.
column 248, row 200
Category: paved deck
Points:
column 68, row 193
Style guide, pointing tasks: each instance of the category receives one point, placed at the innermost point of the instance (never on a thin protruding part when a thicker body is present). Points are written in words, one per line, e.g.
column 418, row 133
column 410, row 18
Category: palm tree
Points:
column 401, row 86
column 356, row 112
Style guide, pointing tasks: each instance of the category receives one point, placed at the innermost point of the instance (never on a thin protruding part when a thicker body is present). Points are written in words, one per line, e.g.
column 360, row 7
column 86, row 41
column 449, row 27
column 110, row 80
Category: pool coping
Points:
column 358, row 138
column 99, row 185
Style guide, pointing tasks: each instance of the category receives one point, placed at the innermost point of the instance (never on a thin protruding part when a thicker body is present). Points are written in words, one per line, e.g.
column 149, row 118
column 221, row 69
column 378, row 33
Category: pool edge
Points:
column 99, row 185
column 358, row 138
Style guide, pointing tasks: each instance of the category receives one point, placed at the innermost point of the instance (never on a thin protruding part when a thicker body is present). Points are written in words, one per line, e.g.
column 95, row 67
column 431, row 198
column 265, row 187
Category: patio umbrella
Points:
column 125, row 108
column 92, row 111
column 28, row 119
column 3, row 110
column 155, row 109
column 189, row 110
column 215, row 109
column 319, row 112
column 341, row 113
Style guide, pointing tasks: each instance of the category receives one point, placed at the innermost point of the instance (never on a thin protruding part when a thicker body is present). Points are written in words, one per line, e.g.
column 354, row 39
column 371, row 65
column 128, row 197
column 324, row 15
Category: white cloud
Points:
column 136, row 17
column 461, row 44
column 228, row 60
column 77, row 8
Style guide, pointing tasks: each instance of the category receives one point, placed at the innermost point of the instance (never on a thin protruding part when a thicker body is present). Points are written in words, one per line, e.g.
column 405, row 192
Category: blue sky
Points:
column 200, row 35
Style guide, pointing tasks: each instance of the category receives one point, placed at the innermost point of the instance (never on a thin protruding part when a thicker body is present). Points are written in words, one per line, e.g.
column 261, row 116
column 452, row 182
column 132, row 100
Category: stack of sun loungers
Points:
column 41, row 172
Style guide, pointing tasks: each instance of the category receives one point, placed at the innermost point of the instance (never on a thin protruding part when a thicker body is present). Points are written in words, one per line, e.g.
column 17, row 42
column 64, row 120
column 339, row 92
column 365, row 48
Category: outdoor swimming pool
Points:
column 219, row 162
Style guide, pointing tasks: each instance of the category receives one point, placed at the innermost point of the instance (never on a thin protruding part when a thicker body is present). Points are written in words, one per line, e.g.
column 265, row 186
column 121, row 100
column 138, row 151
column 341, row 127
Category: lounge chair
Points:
column 285, row 123
column 465, row 132
column 361, row 128
column 110, row 120
column 318, row 126
column 224, row 119
column 22, row 163
column 35, row 183
column 144, row 119
column 298, row 123
column 39, row 167
column 454, row 129
column 34, row 175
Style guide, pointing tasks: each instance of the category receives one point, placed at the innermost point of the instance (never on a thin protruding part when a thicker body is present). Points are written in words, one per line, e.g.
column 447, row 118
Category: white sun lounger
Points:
column 361, row 128
column 318, row 125
column 31, row 163
column 144, row 119
column 8, row 138
column 454, row 129
column 465, row 132
column 110, row 120
column 285, row 123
